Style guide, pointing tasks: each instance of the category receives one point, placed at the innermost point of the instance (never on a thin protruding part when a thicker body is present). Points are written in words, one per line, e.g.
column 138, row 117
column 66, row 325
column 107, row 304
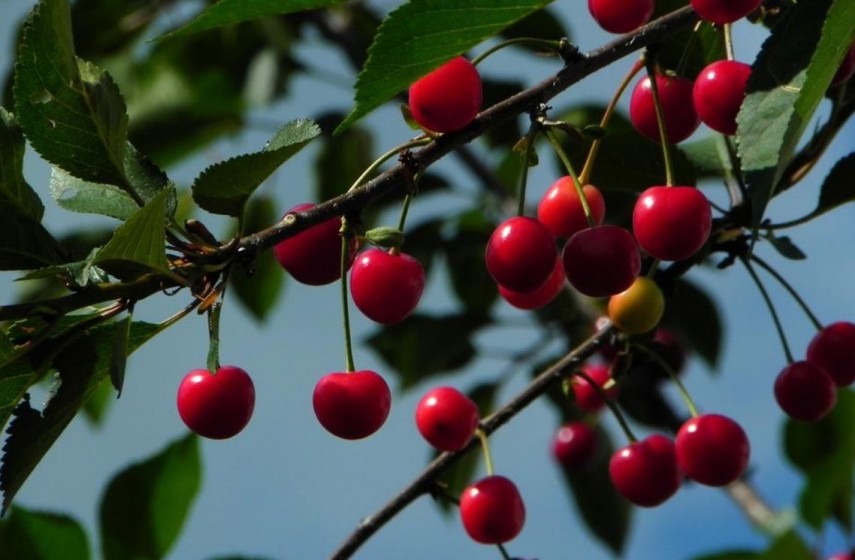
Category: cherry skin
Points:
column 724, row 11
column 584, row 395
column 672, row 223
column 639, row 308
column 385, row 286
column 718, row 93
column 446, row 418
column 575, row 445
column 679, row 114
column 313, row 256
column 521, row 254
column 841, row 556
column 542, row 295
column 712, row 449
column 621, row 16
column 216, row 406
column 352, row 405
column 833, row 349
column 805, row 391
column 645, row 472
column 560, row 209
column 492, row 510
column 601, row 261
column 448, row 98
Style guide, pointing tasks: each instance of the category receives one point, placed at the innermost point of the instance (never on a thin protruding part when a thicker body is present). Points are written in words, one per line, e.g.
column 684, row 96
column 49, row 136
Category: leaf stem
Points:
column 650, row 64
column 549, row 45
column 778, row 326
column 610, row 403
column 792, row 291
column 559, row 151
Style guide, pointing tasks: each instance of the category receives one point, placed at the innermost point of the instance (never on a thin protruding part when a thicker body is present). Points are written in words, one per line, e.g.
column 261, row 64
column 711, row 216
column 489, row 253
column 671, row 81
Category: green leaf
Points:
column 837, row 187
column 788, row 546
column 145, row 506
column 119, row 358
column 785, row 246
column 226, row 12
column 225, row 187
column 36, row 535
column 709, row 156
column 341, row 159
column 15, row 193
column 691, row 311
column 788, row 81
column 688, row 50
column 420, row 36
column 77, row 195
column 24, row 243
column 464, row 252
column 258, row 284
column 96, row 406
column 542, row 24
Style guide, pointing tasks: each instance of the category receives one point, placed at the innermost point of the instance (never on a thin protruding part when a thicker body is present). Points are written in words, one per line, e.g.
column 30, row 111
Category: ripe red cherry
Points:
column 846, row 68
column 718, row 93
column 841, row 556
column 574, row 445
column 805, row 391
column 521, row 254
column 645, row 472
column 621, row 16
column 216, row 406
column 724, row 11
column 446, row 418
column 672, row 223
column 677, row 108
column 448, row 98
column 584, row 395
column 542, row 295
column 352, row 405
column 492, row 510
column 601, row 261
column 712, row 449
column 386, row 287
column 833, row 349
column 313, row 256
column 560, row 209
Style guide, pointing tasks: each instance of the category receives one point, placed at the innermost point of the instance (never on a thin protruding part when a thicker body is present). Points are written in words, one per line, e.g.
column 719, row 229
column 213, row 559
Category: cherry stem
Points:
column 728, row 42
column 405, row 208
column 771, row 308
column 792, row 291
column 345, row 312
column 559, row 151
column 214, row 336
column 650, row 64
column 549, row 45
column 530, row 138
column 684, row 57
column 684, row 393
column 610, row 403
column 389, row 154
column 169, row 321
column 503, row 552
column 485, row 448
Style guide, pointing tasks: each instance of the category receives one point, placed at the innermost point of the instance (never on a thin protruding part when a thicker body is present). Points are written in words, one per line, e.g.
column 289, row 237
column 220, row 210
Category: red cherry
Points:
column 718, row 93
column 724, row 11
column 712, row 449
column 672, row 223
column 560, row 209
column 448, row 98
column 584, row 395
column 601, row 261
column 352, row 405
column 846, row 68
column 645, row 472
column 542, row 295
column 521, row 254
column 447, row 418
column 386, row 287
column 313, row 256
column 574, row 445
column 833, row 349
column 677, row 108
column 841, row 556
column 216, row 406
column 621, row 16
column 805, row 391
column 492, row 510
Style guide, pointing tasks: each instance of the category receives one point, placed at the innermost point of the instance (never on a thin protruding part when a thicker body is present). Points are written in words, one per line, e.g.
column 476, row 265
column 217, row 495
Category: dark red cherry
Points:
column 446, row 418
column 621, row 16
column 560, row 209
column 712, row 449
column 833, row 349
column 645, row 472
column 805, row 391
column 601, row 261
column 678, row 111
column 492, row 510
column 542, row 295
column 386, row 286
column 724, row 11
column 575, row 445
column 448, row 98
column 521, row 254
column 672, row 223
column 718, row 93
column 587, row 397
column 216, row 406
column 352, row 405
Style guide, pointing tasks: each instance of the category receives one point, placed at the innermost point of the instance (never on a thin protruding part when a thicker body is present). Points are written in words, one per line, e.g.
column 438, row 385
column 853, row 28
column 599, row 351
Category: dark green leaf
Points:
column 785, row 246
column 25, row 244
column 420, row 36
column 688, row 51
column 145, row 506
column 15, row 193
column 258, row 284
column 788, row 546
column 95, row 407
column 341, row 159
column 33, row 535
column 424, row 242
column 709, row 156
column 691, row 311
column 464, row 252
column 108, row 27
column 80, row 273
column 509, row 132
column 225, row 187
column 6, row 347
column 837, row 187
column 119, row 358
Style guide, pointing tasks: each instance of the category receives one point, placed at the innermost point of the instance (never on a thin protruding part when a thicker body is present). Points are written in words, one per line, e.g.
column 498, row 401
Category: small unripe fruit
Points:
column 639, row 308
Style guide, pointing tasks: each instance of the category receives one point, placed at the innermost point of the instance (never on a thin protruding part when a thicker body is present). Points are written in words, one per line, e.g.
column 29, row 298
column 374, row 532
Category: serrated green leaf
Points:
column 77, row 195
column 38, row 535
column 15, row 192
column 25, row 244
column 119, row 357
column 787, row 82
column 225, row 187
column 420, row 36
column 144, row 507
column 79, row 273
column 258, row 286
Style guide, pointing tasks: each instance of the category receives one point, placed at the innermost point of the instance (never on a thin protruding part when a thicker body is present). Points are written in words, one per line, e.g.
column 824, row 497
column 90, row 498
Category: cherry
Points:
column 712, row 449
column 601, row 261
column 560, row 209
column 216, row 406
column 677, row 109
column 841, row 556
column 585, row 396
column 645, row 472
column 718, row 93
column 386, row 286
column 639, row 308
column 447, row 418
column 492, row 510
column 833, row 349
column 352, row 405
column 724, row 11
column 621, row 16
column 313, row 256
column 672, row 223
column 574, row 445
column 448, row 98
column 846, row 68
column 521, row 254
column 805, row 391
column 542, row 295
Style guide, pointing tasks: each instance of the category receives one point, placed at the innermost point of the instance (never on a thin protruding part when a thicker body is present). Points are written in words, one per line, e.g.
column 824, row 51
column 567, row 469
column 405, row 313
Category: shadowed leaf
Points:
column 38, row 535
